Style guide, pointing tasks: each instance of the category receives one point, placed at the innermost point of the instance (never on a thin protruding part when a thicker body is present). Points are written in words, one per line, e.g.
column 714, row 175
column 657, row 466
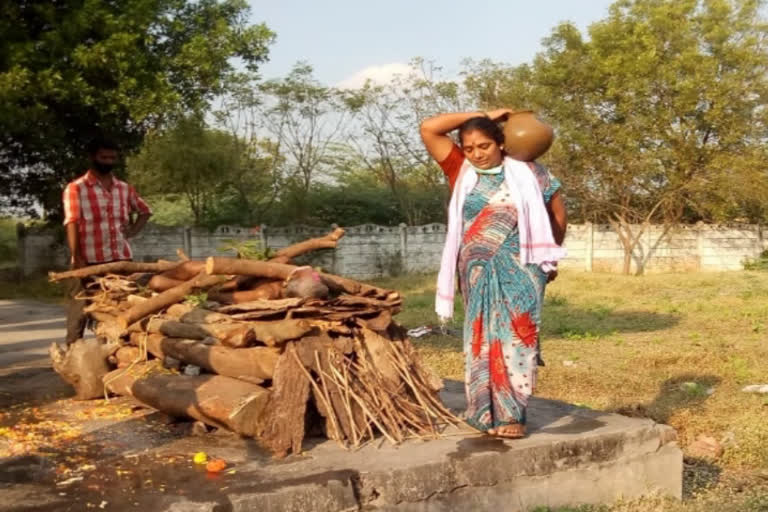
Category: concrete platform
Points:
column 573, row 456
column 141, row 461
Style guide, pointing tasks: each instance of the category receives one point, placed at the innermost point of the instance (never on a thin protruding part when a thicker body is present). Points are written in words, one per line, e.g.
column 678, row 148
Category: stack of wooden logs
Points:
column 266, row 349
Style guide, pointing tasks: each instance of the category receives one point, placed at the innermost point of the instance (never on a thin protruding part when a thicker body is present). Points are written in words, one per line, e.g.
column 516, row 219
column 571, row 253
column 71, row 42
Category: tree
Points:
column 219, row 175
column 260, row 175
column 660, row 114
column 71, row 68
column 383, row 136
column 302, row 117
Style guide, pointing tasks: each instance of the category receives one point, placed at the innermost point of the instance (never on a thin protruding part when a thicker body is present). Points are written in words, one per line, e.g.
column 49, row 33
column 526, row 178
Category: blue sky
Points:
column 346, row 39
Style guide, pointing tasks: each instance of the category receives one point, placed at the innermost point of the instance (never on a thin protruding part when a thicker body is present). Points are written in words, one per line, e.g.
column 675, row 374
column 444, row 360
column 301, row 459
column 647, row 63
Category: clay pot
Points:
column 525, row 137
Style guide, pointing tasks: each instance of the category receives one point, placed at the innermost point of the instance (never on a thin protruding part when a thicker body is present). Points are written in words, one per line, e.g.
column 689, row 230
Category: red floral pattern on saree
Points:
column 499, row 377
column 477, row 336
column 525, row 328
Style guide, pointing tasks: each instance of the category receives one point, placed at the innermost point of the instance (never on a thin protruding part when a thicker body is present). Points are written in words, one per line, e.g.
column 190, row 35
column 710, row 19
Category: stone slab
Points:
column 572, row 456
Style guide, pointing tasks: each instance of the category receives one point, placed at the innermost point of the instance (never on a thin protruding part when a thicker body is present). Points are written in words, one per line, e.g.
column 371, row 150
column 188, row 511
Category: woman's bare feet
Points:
column 513, row 431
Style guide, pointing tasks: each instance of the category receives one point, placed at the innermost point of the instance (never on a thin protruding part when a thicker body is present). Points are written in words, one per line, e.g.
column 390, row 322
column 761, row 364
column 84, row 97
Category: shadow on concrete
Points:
column 545, row 416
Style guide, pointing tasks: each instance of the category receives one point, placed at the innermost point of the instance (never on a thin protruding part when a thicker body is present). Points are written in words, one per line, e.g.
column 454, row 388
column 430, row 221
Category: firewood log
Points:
column 215, row 400
column 315, row 353
column 328, row 241
column 272, row 270
column 127, row 355
column 377, row 348
column 261, row 305
column 185, row 270
column 282, row 428
column 279, row 331
column 160, row 283
column 378, row 322
column 165, row 299
column 83, row 364
column 106, row 326
column 248, row 363
column 178, row 310
column 117, row 267
column 235, row 335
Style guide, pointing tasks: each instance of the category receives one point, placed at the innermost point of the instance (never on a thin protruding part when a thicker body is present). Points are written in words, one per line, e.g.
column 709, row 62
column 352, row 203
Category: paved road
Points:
column 27, row 329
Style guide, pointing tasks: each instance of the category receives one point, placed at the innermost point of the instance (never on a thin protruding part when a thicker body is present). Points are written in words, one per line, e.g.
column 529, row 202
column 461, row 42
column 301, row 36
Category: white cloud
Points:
column 379, row 75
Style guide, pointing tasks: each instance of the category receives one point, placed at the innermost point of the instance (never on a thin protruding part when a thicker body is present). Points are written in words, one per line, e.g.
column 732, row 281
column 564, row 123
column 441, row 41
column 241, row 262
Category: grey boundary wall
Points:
column 369, row 251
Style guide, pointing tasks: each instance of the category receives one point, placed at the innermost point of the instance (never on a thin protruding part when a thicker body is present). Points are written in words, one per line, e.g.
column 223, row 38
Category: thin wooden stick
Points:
column 344, row 384
column 331, row 410
column 319, row 392
column 367, row 411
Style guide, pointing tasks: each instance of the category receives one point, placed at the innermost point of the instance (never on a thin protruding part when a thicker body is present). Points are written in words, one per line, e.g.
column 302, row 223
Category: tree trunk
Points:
column 624, row 232
column 279, row 331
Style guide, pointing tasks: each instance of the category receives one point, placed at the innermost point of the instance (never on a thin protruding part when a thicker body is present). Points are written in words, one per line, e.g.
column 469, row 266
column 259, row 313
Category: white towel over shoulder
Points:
column 537, row 246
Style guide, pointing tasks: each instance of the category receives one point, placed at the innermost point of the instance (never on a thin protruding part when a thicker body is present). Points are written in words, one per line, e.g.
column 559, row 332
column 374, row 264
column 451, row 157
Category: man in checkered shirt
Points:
column 101, row 213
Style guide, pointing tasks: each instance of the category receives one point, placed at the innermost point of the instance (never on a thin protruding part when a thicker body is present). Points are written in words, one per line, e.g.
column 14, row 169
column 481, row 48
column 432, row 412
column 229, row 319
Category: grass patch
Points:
column 31, row 288
column 676, row 348
column 8, row 249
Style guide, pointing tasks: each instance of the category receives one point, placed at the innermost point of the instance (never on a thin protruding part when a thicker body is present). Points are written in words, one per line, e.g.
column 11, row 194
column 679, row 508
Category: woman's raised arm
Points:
column 435, row 130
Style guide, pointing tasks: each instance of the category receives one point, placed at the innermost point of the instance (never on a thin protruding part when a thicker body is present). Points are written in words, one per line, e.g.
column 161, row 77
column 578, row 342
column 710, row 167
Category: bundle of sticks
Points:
column 267, row 349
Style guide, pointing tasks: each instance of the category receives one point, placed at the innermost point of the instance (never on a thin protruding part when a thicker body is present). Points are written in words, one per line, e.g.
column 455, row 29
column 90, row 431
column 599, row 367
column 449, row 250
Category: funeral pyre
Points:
column 267, row 349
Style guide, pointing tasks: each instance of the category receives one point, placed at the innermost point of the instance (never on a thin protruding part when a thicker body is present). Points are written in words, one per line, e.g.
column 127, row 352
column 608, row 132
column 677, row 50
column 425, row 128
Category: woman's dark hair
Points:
column 483, row 124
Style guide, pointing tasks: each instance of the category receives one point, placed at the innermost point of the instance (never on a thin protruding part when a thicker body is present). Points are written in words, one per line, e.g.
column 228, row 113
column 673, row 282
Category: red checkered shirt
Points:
column 101, row 216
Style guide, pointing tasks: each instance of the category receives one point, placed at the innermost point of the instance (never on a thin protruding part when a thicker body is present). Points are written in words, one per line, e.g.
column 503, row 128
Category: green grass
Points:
column 32, row 288
column 654, row 346
column 7, row 241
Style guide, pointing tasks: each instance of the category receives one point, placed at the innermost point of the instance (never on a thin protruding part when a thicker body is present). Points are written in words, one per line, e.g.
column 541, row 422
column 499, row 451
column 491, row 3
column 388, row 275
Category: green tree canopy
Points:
column 72, row 68
column 660, row 114
column 221, row 177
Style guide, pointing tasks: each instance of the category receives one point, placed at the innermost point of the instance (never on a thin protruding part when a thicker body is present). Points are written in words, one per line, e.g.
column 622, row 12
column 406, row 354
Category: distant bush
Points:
column 8, row 249
column 759, row 263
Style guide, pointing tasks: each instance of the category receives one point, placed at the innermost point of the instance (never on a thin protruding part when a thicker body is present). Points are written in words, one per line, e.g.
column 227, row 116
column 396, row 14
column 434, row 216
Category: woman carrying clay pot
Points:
column 506, row 222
